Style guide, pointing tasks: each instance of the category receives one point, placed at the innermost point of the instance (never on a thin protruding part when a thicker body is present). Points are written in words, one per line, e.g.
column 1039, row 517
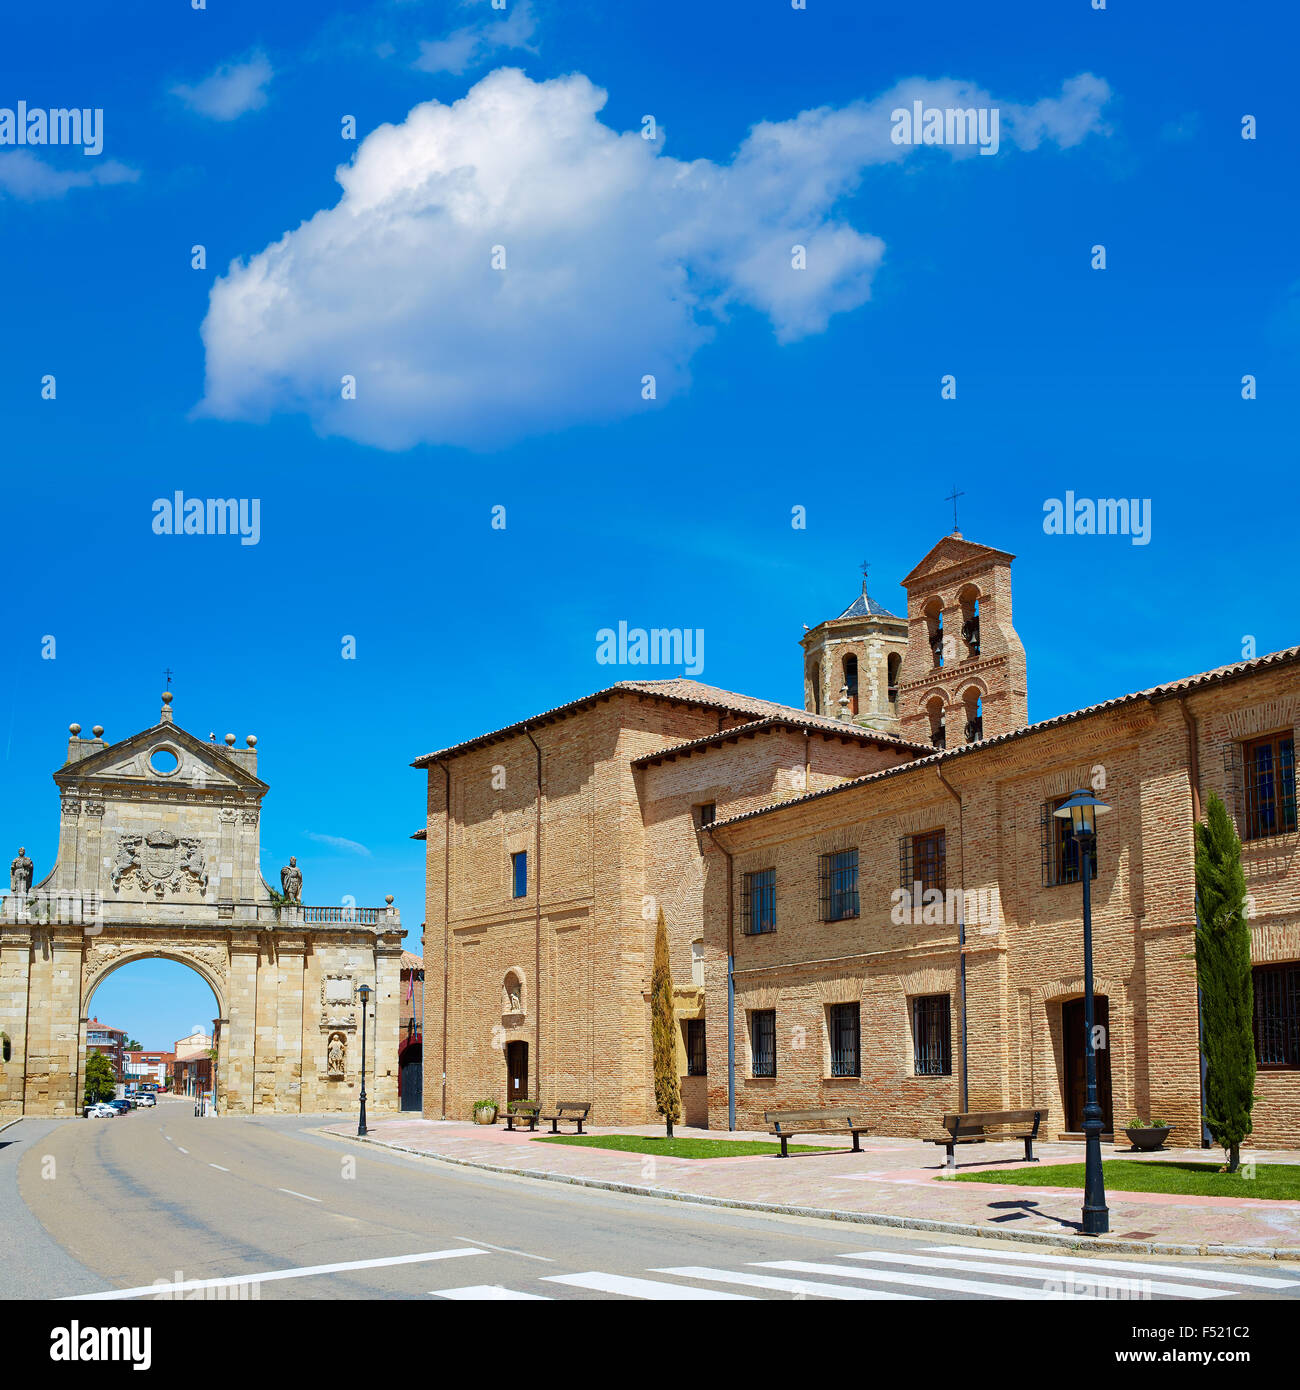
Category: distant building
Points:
column 111, row 1042
column 192, row 1071
column 149, row 1066
column 410, row 1041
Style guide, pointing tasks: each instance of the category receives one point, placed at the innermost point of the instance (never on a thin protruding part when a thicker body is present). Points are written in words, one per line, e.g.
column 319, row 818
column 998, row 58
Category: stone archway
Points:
column 209, row 962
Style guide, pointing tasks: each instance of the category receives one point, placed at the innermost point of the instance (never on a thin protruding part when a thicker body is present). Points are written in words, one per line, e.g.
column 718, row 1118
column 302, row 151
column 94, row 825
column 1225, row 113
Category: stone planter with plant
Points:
column 1147, row 1134
column 485, row 1112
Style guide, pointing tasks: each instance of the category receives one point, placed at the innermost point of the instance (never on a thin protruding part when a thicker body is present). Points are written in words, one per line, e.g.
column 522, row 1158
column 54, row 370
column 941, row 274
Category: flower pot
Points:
column 485, row 1115
column 1150, row 1138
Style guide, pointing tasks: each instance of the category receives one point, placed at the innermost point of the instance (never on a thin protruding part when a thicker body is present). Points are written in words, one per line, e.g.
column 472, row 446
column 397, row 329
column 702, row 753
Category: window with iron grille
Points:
column 844, row 1025
column 758, row 902
column 1060, row 850
column 932, row 1035
column 923, row 859
column 1268, row 786
column 762, row 1042
column 838, row 884
column 696, row 1056
column 1277, row 1015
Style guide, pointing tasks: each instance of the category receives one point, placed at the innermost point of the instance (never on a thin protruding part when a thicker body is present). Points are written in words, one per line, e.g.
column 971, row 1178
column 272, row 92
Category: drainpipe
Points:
column 446, row 920
column 537, row 941
column 1194, row 779
column 731, row 985
column 961, row 933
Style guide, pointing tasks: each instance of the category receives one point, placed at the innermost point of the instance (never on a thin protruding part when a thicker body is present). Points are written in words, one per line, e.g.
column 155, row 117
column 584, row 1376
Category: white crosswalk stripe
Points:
column 1136, row 1285
column 812, row 1288
column 487, row 1293
column 1254, row 1281
column 917, row 1281
column 638, row 1288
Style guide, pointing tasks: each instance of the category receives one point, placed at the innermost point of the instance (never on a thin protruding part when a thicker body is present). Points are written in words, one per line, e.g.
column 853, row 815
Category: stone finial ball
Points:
column 98, row 731
column 389, row 899
column 74, row 730
column 167, row 697
column 251, row 740
column 230, row 740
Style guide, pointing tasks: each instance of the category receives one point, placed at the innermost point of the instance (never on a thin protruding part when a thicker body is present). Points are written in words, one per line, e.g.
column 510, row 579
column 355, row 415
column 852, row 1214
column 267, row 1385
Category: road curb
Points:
column 913, row 1223
column 9, row 1124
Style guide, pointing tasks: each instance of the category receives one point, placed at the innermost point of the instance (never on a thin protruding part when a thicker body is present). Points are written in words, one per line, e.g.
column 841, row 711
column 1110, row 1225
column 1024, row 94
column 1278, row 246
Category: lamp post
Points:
column 1081, row 809
column 364, row 992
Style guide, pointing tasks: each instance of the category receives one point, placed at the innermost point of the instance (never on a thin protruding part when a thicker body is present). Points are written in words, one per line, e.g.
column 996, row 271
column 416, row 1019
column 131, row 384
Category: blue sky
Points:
column 521, row 387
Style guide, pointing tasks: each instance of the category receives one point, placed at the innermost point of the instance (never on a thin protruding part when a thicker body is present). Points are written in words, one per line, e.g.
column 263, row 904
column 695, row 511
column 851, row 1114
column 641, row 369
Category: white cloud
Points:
column 338, row 842
column 231, row 91
column 474, row 44
column 24, row 176
column 620, row 260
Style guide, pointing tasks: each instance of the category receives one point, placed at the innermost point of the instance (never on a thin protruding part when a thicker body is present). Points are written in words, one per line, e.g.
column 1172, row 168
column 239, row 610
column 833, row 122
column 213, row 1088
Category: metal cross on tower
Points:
column 952, row 497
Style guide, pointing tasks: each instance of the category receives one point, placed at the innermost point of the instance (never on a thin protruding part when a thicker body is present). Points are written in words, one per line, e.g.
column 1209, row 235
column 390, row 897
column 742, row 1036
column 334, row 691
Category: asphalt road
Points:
column 158, row 1203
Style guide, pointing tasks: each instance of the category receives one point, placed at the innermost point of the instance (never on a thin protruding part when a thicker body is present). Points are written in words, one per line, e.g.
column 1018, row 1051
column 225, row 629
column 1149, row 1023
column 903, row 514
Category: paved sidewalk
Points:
column 894, row 1181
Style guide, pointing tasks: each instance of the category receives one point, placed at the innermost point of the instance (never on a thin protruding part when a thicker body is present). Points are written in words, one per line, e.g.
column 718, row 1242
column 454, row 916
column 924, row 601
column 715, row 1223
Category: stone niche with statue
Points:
column 159, row 854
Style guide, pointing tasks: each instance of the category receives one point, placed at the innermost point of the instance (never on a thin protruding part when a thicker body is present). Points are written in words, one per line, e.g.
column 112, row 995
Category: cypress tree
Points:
column 663, row 1031
column 1223, row 973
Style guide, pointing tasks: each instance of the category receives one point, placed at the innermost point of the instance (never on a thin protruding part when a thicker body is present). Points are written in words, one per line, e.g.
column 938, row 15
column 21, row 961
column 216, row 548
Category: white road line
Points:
column 1257, row 1281
column 304, row 1272
column 811, row 1287
column 486, row 1293
column 184, row 1151
column 506, row 1250
column 1135, row 1283
column 292, row 1193
column 218, row 1167
column 916, row 1281
column 639, row 1288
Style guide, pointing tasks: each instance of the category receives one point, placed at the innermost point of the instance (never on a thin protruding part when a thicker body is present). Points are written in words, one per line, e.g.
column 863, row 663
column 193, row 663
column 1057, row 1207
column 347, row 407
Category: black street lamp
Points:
column 1082, row 810
column 364, row 992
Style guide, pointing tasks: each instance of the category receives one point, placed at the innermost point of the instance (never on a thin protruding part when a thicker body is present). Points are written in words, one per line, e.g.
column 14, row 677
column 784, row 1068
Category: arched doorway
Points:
column 1074, row 1069
column 160, row 1018
column 410, row 1062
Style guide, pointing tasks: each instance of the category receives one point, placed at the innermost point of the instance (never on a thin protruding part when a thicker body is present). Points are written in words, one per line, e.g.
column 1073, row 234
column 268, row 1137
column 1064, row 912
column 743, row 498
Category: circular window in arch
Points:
column 164, row 761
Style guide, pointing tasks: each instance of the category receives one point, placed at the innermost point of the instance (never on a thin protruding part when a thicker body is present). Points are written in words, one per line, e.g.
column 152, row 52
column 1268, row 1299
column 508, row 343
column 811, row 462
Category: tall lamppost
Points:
column 1081, row 810
column 364, row 992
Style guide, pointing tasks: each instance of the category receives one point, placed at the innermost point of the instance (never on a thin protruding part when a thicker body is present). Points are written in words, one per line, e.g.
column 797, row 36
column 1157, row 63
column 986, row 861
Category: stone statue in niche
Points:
column 336, row 1054
column 20, row 873
column 514, row 995
column 291, row 880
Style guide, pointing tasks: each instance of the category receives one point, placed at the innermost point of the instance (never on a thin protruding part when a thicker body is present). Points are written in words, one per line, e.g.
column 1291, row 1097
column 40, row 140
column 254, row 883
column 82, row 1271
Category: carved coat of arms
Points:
column 159, row 860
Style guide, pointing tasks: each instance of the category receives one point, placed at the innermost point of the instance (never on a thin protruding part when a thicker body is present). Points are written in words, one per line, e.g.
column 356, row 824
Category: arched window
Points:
column 934, row 629
column 974, row 715
column 894, row 665
column 970, row 620
column 851, row 682
column 938, row 735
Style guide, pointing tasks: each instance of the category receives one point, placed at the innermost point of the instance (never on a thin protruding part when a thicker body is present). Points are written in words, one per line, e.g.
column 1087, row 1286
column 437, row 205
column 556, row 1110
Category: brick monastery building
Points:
column 790, row 843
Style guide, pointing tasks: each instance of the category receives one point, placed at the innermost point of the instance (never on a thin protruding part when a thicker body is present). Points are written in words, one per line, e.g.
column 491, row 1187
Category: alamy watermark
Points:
column 24, row 125
column 179, row 515
column 1104, row 516
column 950, row 125
column 656, row 646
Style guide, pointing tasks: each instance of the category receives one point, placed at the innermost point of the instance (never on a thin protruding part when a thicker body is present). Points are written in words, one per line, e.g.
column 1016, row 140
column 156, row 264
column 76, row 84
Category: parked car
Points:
column 145, row 1099
column 122, row 1105
column 101, row 1111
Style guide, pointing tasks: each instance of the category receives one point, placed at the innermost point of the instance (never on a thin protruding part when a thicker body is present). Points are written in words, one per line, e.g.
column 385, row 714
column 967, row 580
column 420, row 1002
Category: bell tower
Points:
column 852, row 664
column 964, row 675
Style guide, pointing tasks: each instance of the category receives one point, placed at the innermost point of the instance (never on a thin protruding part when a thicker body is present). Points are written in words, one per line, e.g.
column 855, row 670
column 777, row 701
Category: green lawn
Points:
column 1272, row 1181
column 677, row 1148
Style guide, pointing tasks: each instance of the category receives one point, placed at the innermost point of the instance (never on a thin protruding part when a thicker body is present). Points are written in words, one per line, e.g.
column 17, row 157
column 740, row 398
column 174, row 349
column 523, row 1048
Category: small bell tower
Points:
column 964, row 674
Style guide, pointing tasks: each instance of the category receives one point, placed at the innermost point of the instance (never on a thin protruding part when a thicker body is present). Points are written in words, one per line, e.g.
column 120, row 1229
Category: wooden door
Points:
column 1076, row 1075
column 516, row 1071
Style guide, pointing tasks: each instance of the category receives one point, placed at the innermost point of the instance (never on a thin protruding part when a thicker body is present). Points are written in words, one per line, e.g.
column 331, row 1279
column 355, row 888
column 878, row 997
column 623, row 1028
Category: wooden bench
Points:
column 984, row 1126
column 520, row 1111
column 785, row 1124
column 576, row 1110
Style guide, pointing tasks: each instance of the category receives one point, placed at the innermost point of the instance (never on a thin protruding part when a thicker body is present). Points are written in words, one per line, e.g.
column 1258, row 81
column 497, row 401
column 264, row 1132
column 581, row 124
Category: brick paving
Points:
column 899, row 1180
